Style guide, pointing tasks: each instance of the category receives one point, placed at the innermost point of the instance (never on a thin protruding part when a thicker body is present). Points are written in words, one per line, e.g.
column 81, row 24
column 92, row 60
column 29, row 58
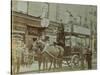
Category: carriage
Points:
column 74, row 49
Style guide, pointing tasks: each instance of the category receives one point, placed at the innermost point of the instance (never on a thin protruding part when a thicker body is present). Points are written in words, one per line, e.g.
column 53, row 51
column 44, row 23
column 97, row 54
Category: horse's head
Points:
column 38, row 47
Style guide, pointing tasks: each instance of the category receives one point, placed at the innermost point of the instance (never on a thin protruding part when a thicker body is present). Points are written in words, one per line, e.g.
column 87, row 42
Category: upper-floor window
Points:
column 20, row 6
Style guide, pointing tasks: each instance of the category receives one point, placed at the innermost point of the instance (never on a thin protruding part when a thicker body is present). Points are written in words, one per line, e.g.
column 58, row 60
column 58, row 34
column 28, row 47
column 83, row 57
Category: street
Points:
column 34, row 68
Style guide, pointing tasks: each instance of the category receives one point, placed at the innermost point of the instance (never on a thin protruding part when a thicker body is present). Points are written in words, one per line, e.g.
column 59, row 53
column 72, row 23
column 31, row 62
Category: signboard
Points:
column 20, row 27
column 81, row 30
column 67, row 28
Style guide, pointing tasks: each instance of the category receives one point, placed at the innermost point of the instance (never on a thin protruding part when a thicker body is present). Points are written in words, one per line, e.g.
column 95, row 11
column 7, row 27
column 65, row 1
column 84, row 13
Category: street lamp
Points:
column 61, row 34
column 44, row 17
column 70, row 22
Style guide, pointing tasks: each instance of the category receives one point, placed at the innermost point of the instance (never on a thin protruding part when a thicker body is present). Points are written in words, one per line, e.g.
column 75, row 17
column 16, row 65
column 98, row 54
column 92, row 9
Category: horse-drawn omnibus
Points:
column 74, row 41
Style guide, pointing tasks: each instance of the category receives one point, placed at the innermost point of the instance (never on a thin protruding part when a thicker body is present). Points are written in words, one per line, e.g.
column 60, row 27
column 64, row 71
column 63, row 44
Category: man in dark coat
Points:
column 89, row 58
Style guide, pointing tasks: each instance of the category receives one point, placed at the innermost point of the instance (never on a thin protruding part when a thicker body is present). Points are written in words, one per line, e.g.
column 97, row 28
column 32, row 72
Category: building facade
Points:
column 29, row 27
column 83, row 17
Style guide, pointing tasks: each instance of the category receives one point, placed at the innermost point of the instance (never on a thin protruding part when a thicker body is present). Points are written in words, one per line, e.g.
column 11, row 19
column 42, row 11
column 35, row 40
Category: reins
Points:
column 51, row 55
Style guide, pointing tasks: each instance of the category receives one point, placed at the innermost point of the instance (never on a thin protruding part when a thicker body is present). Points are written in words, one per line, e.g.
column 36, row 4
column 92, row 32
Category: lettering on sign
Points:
column 20, row 27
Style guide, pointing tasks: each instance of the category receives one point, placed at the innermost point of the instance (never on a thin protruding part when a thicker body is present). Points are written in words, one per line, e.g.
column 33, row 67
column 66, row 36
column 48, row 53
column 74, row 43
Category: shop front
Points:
column 32, row 33
column 29, row 25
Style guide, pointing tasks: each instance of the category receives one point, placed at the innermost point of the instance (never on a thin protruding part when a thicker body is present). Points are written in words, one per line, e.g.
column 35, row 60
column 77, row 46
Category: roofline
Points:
column 25, row 15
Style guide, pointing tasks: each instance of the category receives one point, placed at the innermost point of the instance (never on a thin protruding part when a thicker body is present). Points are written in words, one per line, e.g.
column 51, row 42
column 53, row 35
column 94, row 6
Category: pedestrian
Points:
column 25, row 55
column 89, row 58
column 17, row 56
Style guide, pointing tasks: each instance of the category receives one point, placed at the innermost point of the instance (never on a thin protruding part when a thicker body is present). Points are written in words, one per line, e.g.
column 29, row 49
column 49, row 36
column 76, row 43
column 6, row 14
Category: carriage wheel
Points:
column 75, row 60
column 68, row 63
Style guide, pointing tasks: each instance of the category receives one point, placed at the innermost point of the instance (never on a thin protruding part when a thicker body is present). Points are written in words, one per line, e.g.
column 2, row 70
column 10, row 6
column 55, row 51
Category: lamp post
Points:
column 61, row 34
column 71, row 23
column 27, row 7
column 44, row 17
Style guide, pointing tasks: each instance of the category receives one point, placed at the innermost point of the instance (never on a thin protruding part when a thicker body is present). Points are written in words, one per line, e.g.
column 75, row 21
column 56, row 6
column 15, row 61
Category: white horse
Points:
column 53, row 54
column 50, row 54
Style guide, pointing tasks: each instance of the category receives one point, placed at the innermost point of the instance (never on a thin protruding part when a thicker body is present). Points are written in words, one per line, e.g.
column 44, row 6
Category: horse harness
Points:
column 51, row 55
column 41, row 47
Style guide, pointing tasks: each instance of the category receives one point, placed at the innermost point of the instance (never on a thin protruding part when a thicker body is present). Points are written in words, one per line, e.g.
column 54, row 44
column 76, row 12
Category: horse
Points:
column 51, row 54
column 54, row 54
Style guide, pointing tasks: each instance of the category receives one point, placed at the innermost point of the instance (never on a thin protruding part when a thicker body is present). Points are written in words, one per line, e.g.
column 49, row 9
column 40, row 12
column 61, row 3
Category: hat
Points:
column 34, row 39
